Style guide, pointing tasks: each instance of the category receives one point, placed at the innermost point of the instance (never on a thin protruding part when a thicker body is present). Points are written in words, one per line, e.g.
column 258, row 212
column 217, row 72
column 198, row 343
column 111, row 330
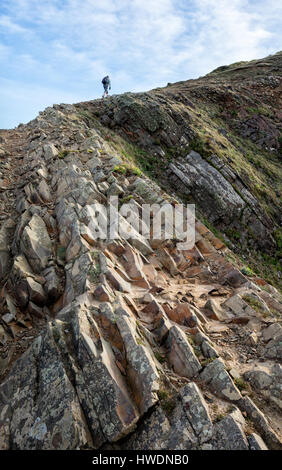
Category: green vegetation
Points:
column 190, row 340
column 61, row 252
column 247, row 271
column 213, row 131
column 259, row 168
column 140, row 341
column 89, row 118
column 254, row 303
column 260, row 110
column 278, row 238
column 63, row 153
column 159, row 357
column 241, row 384
column 94, row 270
column 136, row 159
column 280, row 144
column 201, row 145
column 261, row 172
column 267, row 266
column 167, row 401
column 219, row 417
column 125, row 199
column 212, row 228
column 233, row 234
column 127, row 170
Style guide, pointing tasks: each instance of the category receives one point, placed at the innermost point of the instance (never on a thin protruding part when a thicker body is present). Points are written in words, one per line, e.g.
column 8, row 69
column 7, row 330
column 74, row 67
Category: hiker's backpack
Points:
column 105, row 81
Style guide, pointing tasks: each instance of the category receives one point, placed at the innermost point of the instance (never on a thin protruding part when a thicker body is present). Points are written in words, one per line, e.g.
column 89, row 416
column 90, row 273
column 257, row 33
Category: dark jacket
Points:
column 106, row 82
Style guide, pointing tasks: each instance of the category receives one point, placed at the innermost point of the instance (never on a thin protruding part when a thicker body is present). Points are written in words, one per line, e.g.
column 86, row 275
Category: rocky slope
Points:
column 232, row 118
column 133, row 344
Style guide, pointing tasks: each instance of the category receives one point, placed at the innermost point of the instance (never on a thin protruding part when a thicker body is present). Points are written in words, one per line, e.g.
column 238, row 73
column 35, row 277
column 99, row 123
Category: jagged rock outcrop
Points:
column 125, row 342
column 215, row 141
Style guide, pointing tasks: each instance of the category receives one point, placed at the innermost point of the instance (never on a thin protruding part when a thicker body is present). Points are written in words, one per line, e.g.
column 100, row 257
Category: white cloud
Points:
column 230, row 28
column 141, row 44
column 21, row 102
column 7, row 24
column 4, row 52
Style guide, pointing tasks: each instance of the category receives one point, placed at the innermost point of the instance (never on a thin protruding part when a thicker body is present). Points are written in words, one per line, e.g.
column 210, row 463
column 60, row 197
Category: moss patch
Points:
column 167, row 401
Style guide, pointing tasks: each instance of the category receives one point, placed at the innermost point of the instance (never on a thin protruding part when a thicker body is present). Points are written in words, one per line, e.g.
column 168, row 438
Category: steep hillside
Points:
column 132, row 343
column 232, row 118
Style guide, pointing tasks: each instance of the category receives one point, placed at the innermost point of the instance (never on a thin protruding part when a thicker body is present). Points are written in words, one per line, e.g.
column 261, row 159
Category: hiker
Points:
column 107, row 85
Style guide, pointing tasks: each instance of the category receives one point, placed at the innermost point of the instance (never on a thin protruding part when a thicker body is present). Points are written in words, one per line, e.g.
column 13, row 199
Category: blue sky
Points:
column 57, row 51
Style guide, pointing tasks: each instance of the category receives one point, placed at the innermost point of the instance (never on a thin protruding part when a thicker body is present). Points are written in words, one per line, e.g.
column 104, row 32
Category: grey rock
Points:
column 218, row 379
column 229, row 435
column 44, row 191
column 36, row 292
column 151, row 434
column 93, row 163
column 52, row 283
column 36, row 244
column 115, row 190
column 143, row 189
column 72, row 372
column 234, row 278
column 268, row 381
column 181, row 435
column 22, row 205
column 39, row 383
column 180, row 354
column 273, row 349
column 8, row 317
column 197, row 411
column 141, row 370
column 3, row 336
column 50, row 151
column 98, row 175
column 211, row 190
column 77, row 277
column 256, row 442
column 35, row 311
column 238, row 306
column 260, row 422
column 215, row 311
column 5, row 256
column 208, row 350
column 258, row 378
column 272, row 332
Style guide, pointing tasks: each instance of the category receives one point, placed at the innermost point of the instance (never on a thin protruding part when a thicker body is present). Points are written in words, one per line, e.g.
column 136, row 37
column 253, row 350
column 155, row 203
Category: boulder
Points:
column 36, row 244
column 256, row 442
column 180, row 354
column 31, row 425
column 141, row 370
column 259, row 379
column 229, row 435
column 214, row 311
column 220, row 382
column 237, row 306
column 234, row 278
column 272, row 332
column 36, row 292
column 151, row 434
column 197, row 411
column 142, row 188
column 260, row 423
